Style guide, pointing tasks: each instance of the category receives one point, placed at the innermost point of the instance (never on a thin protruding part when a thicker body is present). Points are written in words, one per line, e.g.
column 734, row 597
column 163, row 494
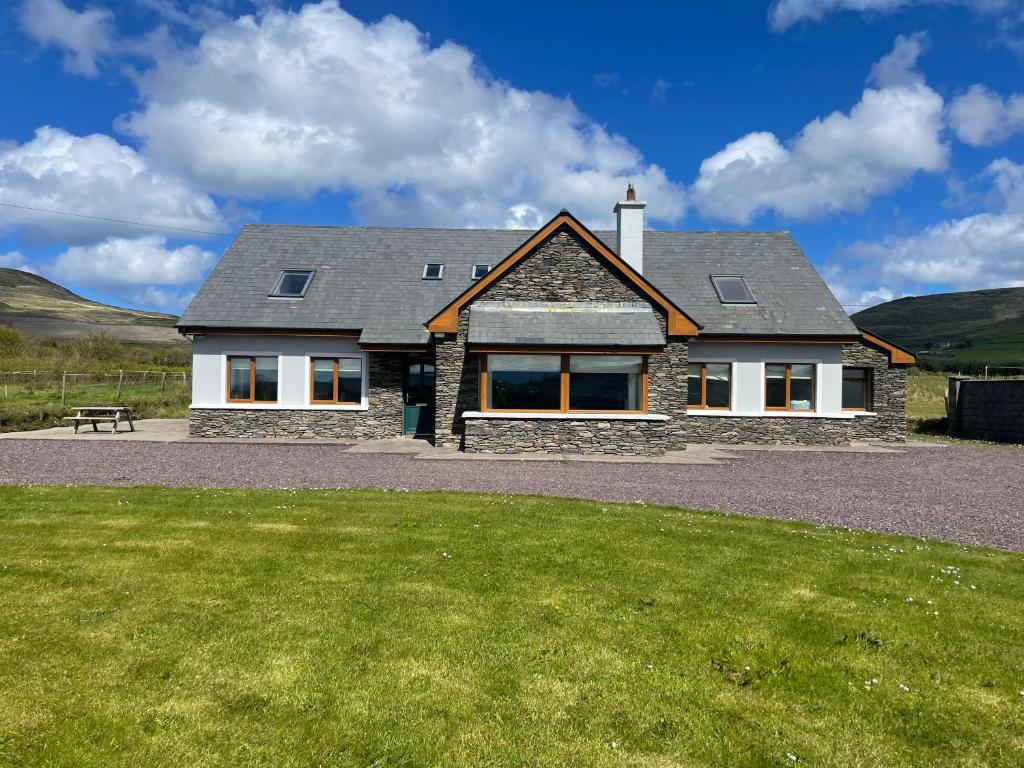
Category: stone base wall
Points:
column 624, row 438
column 382, row 420
column 775, row 430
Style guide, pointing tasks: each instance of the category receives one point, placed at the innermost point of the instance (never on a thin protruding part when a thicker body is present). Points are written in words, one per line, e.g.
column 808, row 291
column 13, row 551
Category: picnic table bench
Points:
column 94, row 414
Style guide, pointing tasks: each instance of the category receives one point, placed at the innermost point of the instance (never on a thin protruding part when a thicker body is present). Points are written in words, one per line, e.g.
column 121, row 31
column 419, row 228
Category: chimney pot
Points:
column 630, row 192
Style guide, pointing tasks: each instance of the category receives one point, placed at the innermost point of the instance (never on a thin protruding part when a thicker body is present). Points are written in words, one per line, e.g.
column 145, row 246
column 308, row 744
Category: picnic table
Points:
column 94, row 414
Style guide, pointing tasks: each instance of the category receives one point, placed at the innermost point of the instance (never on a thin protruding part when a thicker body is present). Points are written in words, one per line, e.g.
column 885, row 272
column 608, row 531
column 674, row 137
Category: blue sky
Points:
column 885, row 134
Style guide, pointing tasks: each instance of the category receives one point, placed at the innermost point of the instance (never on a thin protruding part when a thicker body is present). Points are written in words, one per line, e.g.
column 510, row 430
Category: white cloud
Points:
column 84, row 36
column 16, row 260
column 292, row 103
column 93, row 176
column 132, row 263
column 836, row 163
column 785, row 13
column 982, row 118
column 985, row 250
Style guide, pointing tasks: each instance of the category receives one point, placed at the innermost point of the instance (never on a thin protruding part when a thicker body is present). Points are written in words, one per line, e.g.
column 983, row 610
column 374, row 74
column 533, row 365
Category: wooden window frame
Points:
column 869, row 387
column 252, row 379
column 814, row 389
column 337, row 380
column 704, row 390
column 563, row 384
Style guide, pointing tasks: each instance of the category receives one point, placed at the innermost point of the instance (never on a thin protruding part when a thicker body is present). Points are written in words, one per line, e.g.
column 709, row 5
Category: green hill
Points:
column 969, row 329
column 35, row 306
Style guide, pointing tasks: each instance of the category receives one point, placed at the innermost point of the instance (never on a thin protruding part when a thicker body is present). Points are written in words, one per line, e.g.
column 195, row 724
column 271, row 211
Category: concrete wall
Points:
column 986, row 410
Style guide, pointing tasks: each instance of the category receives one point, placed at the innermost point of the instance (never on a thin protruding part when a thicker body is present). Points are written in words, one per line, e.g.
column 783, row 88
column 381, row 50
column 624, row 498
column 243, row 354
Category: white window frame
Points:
column 440, row 274
column 489, row 267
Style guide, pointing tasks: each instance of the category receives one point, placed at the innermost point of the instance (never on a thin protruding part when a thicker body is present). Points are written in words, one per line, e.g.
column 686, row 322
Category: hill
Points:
column 36, row 306
column 972, row 328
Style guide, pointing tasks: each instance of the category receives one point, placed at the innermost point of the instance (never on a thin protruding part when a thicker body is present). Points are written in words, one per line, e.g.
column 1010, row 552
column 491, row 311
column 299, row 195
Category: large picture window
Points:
column 564, row 383
column 857, row 393
column 336, row 380
column 789, row 386
column 252, row 379
column 709, row 385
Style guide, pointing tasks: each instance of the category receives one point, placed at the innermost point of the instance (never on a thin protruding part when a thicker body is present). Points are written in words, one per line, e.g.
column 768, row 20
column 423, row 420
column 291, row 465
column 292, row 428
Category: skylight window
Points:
column 732, row 289
column 292, row 283
column 479, row 270
column 433, row 271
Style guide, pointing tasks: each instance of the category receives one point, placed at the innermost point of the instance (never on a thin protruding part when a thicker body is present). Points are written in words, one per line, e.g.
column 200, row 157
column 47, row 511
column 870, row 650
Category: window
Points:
column 564, row 383
column 293, row 283
column 709, row 385
column 433, row 271
column 252, row 379
column 789, row 386
column 857, row 389
column 336, row 380
column 479, row 270
column 605, row 382
column 524, row 382
column 732, row 289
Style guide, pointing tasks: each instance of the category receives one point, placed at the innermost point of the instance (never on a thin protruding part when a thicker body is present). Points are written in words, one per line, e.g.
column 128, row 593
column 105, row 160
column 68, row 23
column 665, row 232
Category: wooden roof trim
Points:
column 897, row 355
column 447, row 320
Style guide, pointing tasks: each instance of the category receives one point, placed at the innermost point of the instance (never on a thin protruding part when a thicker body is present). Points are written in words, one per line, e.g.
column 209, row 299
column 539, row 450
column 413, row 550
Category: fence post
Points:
column 163, row 381
column 183, row 382
column 120, row 379
column 64, row 389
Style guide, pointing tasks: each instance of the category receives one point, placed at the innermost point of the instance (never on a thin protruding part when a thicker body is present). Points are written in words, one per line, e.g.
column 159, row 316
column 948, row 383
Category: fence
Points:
column 66, row 388
column 986, row 410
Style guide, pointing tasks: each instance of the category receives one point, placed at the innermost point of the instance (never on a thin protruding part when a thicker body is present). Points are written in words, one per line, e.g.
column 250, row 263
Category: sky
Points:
column 139, row 136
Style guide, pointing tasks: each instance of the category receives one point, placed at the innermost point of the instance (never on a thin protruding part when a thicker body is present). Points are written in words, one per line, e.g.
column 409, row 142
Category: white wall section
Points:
column 748, row 361
column 209, row 368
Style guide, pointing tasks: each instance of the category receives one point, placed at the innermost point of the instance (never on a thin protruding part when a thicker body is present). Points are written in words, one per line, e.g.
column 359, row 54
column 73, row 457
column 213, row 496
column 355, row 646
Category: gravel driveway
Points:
column 969, row 495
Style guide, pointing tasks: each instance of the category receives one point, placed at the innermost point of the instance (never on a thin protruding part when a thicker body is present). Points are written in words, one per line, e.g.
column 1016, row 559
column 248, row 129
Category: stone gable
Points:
column 562, row 268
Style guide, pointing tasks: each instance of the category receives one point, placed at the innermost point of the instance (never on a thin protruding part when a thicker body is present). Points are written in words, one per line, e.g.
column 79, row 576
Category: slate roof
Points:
column 370, row 279
column 541, row 323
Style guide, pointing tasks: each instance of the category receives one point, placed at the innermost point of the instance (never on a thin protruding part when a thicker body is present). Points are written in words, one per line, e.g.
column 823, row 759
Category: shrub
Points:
column 11, row 342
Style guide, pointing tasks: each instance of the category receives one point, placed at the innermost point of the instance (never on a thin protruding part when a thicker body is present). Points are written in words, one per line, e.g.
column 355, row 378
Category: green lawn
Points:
column 151, row 627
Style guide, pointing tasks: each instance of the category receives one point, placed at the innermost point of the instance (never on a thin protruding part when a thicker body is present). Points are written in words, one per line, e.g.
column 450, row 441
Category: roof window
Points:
column 732, row 289
column 293, row 283
column 433, row 271
column 479, row 270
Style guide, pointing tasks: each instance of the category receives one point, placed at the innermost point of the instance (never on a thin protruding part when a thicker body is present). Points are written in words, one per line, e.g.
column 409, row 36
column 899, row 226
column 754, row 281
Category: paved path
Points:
column 970, row 495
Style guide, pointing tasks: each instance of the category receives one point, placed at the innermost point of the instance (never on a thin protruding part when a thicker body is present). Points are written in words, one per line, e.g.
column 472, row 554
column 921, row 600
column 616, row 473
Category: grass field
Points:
column 149, row 627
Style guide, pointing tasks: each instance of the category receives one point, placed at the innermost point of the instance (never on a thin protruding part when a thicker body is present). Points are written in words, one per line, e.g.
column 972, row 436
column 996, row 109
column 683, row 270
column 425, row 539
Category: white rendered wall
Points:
column 209, row 368
column 748, row 361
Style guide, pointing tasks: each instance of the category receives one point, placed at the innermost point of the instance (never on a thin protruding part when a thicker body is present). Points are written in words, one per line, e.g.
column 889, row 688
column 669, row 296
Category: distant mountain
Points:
column 973, row 327
column 36, row 306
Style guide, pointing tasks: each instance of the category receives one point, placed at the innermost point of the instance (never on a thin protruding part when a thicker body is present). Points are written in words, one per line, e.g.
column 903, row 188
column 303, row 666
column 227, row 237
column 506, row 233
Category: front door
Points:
column 418, row 394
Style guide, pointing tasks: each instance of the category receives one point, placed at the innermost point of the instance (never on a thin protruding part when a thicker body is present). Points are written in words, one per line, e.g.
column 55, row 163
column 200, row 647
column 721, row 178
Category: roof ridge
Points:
column 362, row 228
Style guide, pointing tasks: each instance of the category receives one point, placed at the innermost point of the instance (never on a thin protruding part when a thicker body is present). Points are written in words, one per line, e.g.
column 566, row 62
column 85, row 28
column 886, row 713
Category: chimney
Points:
column 629, row 217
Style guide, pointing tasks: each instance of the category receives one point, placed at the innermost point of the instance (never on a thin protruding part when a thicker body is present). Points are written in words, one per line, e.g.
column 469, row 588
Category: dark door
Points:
column 418, row 394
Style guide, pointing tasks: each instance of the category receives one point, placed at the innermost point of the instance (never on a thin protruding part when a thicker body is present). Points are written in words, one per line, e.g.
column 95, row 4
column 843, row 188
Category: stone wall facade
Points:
column 886, row 422
column 563, row 268
column 622, row 437
column 987, row 410
column 383, row 419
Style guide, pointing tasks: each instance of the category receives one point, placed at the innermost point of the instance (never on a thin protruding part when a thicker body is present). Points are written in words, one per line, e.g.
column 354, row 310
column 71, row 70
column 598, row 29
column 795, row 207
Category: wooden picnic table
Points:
column 94, row 414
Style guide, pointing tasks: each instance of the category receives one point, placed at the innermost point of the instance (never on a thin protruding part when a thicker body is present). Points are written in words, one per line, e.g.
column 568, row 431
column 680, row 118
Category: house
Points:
column 560, row 340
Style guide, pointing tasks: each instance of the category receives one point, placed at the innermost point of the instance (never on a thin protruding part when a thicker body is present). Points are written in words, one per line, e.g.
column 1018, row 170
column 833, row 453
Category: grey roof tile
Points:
column 563, row 324
column 370, row 279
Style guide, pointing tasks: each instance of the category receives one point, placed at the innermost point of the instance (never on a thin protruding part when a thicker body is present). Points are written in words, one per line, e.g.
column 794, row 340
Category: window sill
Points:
column 565, row 416
column 276, row 407
column 772, row 414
